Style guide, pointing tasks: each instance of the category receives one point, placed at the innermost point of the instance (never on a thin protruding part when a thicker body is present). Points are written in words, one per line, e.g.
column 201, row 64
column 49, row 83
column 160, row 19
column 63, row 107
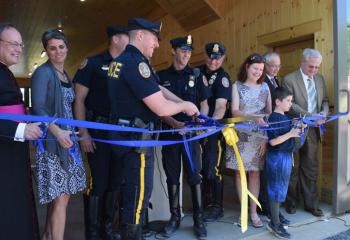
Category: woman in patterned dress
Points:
column 250, row 97
column 59, row 164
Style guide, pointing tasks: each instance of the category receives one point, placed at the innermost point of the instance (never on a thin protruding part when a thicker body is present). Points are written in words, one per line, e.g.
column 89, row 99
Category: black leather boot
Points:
column 92, row 217
column 132, row 232
column 175, row 218
column 216, row 211
column 111, row 211
column 198, row 223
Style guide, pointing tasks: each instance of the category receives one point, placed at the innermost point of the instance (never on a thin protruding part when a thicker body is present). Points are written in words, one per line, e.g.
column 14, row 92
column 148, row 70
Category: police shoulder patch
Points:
column 205, row 81
column 225, row 82
column 83, row 63
column 144, row 70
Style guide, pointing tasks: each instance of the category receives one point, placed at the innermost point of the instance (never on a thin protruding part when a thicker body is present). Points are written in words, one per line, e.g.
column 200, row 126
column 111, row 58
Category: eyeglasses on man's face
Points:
column 313, row 67
column 274, row 65
column 13, row 44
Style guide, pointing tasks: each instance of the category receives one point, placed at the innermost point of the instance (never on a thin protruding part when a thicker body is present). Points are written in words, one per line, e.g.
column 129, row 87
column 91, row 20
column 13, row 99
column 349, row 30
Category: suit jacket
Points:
column 271, row 87
column 295, row 84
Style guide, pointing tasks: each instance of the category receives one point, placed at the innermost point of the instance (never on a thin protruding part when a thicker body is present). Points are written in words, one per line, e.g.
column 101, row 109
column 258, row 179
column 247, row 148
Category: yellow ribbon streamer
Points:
column 231, row 138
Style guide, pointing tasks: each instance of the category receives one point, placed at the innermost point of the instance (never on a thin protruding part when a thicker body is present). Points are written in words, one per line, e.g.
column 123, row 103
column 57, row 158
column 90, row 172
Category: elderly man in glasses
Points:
column 272, row 67
column 17, row 208
column 309, row 99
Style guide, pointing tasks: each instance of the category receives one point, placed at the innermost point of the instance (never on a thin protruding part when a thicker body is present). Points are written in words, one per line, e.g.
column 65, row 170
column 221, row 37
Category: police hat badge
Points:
column 189, row 40
column 144, row 70
column 216, row 48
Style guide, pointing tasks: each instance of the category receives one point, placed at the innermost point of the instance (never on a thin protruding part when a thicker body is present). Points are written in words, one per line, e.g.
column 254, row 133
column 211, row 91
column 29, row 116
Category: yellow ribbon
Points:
column 231, row 138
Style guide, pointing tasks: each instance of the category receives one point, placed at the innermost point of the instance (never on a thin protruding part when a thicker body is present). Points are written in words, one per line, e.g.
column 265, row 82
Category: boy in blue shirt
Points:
column 279, row 158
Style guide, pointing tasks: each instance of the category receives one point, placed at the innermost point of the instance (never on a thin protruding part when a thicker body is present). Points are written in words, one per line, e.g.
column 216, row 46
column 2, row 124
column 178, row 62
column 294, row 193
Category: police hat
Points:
column 141, row 23
column 185, row 43
column 113, row 30
column 215, row 50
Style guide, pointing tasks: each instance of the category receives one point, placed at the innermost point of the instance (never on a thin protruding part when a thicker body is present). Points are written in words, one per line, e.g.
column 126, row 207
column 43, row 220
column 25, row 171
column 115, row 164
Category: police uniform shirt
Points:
column 219, row 84
column 186, row 86
column 131, row 79
column 10, row 93
column 93, row 74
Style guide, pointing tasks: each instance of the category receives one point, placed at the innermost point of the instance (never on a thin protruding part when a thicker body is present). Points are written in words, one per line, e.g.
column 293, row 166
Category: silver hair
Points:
column 311, row 53
column 269, row 55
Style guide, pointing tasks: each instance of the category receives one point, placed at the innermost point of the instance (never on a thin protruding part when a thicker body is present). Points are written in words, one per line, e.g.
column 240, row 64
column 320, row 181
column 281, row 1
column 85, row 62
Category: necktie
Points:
column 274, row 83
column 312, row 98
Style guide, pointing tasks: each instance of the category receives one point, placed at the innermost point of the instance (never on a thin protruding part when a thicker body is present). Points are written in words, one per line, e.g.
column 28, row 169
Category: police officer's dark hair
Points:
column 280, row 93
column 251, row 59
column 53, row 34
column 5, row 25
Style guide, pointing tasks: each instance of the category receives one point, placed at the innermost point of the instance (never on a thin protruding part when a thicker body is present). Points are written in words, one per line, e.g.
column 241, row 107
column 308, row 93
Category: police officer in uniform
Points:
column 220, row 86
column 188, row 84
column 92, row 104
column 136, row 100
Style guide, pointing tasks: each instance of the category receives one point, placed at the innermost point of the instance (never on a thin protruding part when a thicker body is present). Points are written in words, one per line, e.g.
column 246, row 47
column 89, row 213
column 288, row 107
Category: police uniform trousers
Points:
column 305, row 172
column 212, row 158
column 138, row 166
column 171, row 158
column 106, row 171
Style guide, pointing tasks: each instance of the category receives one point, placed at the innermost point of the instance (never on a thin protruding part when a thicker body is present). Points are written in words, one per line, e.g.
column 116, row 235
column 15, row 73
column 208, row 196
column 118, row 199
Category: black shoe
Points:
column 278, row 230
column 111, row 211
column 172, row 225
column 284, row 221
column 92, row 217
column 315, row 211
column 199, row 229
column 131, row 232
column 198, row 223
column 291, row 209
column 213, row 213
column 175, row 219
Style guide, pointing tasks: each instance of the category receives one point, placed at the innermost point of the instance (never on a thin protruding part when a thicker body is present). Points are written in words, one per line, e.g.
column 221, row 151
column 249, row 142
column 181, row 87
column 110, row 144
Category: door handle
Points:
column 347, row 102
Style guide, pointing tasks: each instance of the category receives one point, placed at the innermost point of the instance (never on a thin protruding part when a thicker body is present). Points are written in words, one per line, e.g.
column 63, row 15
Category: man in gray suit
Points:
column 309, row 98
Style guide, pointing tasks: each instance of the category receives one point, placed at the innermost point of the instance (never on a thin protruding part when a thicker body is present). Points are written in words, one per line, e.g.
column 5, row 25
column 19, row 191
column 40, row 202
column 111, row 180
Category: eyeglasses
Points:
column 14, row 44
column 274, row 65
column 313, row 67
column 257, row 59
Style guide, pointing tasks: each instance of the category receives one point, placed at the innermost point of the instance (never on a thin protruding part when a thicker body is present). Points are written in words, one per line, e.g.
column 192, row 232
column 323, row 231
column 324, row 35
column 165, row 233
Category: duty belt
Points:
column 92, row 116
column 134, row 122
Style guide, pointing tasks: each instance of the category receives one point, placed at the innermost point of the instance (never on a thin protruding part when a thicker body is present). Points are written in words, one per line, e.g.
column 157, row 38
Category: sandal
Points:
column 256, row 221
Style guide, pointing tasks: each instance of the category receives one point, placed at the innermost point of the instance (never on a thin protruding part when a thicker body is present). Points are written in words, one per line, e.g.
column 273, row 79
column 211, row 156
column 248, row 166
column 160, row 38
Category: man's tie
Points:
column 274, row 82
column 311, row 95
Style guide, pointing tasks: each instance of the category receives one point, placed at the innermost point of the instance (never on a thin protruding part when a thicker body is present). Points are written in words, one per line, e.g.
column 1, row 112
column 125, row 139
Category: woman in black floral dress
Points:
column 59, row 164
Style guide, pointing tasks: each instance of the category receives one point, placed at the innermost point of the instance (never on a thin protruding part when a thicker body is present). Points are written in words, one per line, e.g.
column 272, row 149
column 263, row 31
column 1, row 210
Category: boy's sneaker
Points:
column 278, row 230
column 283, row 220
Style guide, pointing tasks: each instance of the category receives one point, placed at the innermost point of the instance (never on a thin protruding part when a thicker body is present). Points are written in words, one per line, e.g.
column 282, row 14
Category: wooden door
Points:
column 291, row 55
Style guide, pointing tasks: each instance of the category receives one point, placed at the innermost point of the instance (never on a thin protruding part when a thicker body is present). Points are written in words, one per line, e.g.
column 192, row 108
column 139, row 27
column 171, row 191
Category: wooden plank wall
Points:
column 244, row 21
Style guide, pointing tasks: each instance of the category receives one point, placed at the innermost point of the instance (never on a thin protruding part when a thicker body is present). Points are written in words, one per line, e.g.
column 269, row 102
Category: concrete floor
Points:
column 304, row 225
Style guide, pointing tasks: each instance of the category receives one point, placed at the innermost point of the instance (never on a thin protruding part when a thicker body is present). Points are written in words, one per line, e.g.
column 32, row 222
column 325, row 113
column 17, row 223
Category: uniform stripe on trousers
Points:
column 218, row 161
column 142, row 189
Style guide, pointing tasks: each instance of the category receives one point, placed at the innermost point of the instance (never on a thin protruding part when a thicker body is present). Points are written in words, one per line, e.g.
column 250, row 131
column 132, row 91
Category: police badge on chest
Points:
column 191, row 82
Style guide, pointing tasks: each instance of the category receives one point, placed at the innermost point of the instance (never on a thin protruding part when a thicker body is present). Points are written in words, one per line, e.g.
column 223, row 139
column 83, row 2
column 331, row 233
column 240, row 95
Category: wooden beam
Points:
column 190, row 14
column 285, row 34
